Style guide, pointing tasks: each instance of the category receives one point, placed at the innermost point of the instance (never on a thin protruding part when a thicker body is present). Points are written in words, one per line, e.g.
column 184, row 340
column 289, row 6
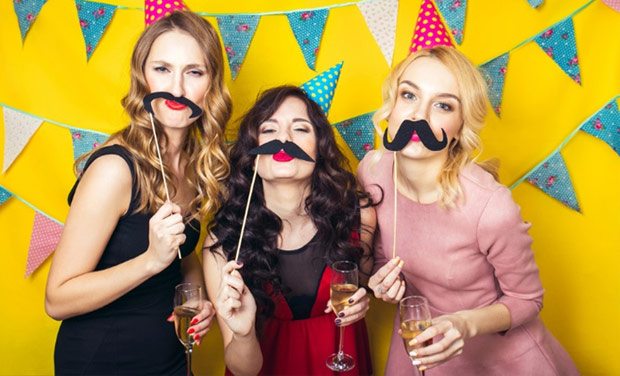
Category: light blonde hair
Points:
column 466, row 145
column 204, row 149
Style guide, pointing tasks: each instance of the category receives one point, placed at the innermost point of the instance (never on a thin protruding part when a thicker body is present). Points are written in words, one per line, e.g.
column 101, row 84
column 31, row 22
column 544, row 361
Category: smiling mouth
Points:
column 282, row 156
column 175, row 105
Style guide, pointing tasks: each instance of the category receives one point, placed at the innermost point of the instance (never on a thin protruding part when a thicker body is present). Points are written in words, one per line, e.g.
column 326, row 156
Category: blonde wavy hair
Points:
column 467, row 145
column 204, row 149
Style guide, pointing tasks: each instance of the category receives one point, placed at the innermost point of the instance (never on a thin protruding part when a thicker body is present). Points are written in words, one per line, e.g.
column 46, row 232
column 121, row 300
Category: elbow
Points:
column 54, row 309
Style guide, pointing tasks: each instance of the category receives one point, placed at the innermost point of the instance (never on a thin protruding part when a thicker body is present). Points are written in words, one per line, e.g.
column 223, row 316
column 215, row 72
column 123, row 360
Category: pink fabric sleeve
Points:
column 503, row 237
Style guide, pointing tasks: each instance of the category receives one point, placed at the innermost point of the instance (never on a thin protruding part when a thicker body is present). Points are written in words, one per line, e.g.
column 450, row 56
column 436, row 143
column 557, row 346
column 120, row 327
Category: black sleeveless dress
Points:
column 129, row 336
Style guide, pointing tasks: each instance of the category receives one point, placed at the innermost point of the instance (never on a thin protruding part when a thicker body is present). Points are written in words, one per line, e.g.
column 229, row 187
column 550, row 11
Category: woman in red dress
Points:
column 273, row 304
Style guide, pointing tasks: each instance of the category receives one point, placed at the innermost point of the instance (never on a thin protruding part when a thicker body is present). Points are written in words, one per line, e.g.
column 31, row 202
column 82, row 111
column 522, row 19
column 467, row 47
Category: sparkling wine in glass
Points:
column 343, row 285
column 415, row 317
column 187, row 304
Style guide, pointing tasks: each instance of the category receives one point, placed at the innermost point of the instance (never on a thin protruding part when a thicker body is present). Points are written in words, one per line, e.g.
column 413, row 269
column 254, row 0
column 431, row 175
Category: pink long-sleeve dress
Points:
column 472, row 256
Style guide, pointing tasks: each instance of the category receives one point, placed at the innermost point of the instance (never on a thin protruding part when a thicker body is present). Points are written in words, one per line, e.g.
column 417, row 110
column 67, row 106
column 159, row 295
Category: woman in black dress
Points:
column 114, row 272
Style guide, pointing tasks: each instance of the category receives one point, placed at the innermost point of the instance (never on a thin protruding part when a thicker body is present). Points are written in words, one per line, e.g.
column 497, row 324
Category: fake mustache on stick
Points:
column 274, row 146
column 422, row 128
column 148, row 105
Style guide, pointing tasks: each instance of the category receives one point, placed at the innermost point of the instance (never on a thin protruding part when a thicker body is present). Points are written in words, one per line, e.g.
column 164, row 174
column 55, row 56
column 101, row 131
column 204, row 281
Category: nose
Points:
column 177, row 85
column 284, row 135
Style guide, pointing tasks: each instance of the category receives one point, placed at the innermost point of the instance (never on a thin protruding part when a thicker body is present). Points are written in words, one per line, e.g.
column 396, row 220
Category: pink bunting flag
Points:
column 156, row 9
column 613, row 4
column 430, row 31
column 45, row 237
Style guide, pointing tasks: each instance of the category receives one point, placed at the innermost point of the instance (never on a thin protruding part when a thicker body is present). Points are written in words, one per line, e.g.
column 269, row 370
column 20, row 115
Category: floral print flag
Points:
column 27, row 11
column 605, row 125
column 85, row 141
column 552, row 177
column 453, row 11
column 494, row 73
column 358, row 133
column 4, row 195
column 94, row 19
column 308, row 26
column 237, row 33
column 558, row 43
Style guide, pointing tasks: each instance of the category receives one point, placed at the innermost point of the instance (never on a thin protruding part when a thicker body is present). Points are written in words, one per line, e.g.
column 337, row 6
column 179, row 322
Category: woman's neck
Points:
column 418, row 179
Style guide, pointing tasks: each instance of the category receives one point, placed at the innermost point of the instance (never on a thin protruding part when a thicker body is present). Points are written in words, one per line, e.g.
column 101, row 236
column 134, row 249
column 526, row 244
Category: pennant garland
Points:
column 358, row 133
column 27, row 12
column 552, row 177
column 558, row 42
column 495, row 74
column 613, row 4
column 18, row 129
column 308, row 27
column 535, row 3
column 85, row 141
column 605, row 125
column 429, row 30
column 380, row 18
column 237, row 33
column 453, row 11
column 321, row 88
column 4, row 195
column 94, row 20
column 43, row 241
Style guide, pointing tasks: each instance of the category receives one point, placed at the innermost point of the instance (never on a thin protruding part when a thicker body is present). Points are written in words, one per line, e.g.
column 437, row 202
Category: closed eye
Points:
column 161, row 69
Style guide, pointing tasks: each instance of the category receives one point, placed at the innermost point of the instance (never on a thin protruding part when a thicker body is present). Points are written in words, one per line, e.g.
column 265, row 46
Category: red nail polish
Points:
column 190, row 331
column 194, row 322
column 197, row 337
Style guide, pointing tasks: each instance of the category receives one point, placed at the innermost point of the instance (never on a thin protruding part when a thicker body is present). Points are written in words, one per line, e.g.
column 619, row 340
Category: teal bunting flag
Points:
column 85, row 141
column 358, row 133
column 308, row 26
column 27, row 12
column 558, row 42
column 605, row 125
column 94, row 20
column 535, row 3
column 4, row 195
column 453, row 11
column 495, row 74
column 237, row 33
column 553, row 179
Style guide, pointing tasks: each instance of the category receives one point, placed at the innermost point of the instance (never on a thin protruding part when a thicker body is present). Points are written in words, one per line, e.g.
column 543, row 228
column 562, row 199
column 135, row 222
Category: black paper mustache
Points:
column 147, row 101
column 274, row 146
column 422, row 128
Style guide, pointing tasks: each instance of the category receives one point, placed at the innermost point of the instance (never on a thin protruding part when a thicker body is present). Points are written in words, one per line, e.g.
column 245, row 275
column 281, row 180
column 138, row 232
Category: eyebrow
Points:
column 295, row 120
column 188, row 66
column 442, row 95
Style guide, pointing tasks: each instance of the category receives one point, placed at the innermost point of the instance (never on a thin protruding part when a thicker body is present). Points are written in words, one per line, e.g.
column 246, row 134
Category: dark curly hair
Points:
column 333, row 203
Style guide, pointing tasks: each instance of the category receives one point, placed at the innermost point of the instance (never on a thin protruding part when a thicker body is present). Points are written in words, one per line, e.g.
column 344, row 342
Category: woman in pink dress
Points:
column 458, row 231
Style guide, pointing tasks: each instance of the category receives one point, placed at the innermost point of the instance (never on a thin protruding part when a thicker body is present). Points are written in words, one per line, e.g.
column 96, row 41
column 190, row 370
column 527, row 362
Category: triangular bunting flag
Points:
column 45, row 237
column 558, row 42
column 156, row 9
column 27, row 12
column 237, row 33
column 453, row 11
column 535, row 3
column 4, row 195
column 321, row 88
column 552, row 177
column 613, row 4
column 85, row 141
column 605, row 125
column 308, row 26
column 429, row 29
column 495, row 74
column 94, row 19
column 380, row 17
column 18, row 128
column 359, row 134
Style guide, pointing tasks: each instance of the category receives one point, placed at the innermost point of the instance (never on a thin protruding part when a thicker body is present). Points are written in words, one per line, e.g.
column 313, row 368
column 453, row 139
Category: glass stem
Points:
column 340, row 343
column 188, row 355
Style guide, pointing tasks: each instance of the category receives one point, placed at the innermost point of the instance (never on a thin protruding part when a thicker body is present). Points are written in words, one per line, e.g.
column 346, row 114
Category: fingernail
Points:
column 413, row 342
column 341, row 314
column 351, row 301
column 170, row 317
column 194, row 321
column 240, row 263
column 415, row 362
column 338, row 321
column 422, row 368
column 190, row 330
column 401, row 263
column 395, row 260
column 197, row 337
column 413, row 353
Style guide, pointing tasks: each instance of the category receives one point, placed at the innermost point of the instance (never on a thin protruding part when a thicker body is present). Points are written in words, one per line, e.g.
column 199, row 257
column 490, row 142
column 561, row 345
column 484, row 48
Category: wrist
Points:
column 152, row 265
column 469, row 328
column 245, row 337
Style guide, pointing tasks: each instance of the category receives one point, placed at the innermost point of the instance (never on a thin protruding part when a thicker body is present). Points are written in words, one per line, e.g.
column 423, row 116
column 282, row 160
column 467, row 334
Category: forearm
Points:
column 92, row 290
column 243, row 355
column 491, row 319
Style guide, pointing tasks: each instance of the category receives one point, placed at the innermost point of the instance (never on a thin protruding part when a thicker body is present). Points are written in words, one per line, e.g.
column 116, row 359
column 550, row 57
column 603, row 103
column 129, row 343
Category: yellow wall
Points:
column 577, row 253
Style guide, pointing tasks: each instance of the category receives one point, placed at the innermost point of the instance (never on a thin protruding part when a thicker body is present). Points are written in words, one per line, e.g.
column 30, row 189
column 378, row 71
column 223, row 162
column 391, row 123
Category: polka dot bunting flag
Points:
column 156, row 9
column 430, row 30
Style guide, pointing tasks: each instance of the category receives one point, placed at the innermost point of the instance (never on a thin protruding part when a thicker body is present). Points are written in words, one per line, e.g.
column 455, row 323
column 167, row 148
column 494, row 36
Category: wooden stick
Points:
column 247, row 208
column 161, row 166
column 395, row 206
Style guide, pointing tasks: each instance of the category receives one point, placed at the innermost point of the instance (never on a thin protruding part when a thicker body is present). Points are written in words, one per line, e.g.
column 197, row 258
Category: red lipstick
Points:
column 175, row 105
column 281, row 156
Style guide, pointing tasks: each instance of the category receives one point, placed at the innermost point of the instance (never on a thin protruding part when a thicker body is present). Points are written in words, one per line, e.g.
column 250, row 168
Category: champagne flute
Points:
column 343, row 285
column 187, row 304
column 415, row 317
